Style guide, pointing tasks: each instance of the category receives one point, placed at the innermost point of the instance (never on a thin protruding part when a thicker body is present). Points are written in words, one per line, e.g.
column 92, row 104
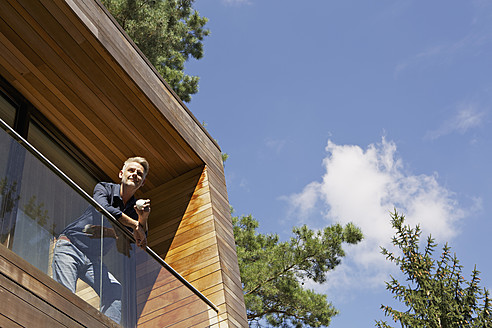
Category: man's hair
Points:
column 140, row 160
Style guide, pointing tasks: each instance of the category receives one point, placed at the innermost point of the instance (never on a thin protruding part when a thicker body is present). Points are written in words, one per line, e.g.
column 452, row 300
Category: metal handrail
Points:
column 7, row 128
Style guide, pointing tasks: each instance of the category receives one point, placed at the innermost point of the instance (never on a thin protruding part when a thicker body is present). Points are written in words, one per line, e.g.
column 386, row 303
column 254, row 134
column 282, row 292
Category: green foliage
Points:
column 9, row 194
column 273, row 272
column 38, row 213
column 168, row 32
column 225, row 156
column 437, row 294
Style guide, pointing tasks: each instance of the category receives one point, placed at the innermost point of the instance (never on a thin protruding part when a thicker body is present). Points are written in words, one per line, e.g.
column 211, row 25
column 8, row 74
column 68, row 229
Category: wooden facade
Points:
column 32, row 299
column 76, row 66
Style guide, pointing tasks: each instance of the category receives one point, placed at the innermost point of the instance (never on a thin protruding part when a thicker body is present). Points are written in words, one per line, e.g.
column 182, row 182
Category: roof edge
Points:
column 154, row 70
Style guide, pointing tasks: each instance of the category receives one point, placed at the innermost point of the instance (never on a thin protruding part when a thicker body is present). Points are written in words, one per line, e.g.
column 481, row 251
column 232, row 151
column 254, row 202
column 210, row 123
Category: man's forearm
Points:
column 138, row 229
column 128, row 221
column 131, row 223
column 143, row 221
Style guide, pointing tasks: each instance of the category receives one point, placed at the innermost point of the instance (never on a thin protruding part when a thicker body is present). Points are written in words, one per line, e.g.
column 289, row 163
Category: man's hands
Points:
column 141, row 225
column 143, row 211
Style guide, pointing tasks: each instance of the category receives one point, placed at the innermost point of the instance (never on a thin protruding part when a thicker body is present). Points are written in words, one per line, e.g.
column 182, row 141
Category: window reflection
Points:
column 7, row 111
column 59, row 156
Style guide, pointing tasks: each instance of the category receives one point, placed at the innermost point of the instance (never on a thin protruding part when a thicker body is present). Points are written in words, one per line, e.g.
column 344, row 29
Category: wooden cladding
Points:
column 55, row 62
column 32, row 299
column 171, row 304
column 73, row 63
column 186, row 230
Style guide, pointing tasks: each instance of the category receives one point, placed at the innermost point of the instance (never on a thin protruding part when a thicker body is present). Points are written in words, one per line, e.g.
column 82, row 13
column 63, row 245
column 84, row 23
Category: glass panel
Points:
column 58, row 156
column 36, row 208
column 163, row 300
column 119, row 260
column 151, row 296
column 49, row 224
column 9, row 187
column 46, row 205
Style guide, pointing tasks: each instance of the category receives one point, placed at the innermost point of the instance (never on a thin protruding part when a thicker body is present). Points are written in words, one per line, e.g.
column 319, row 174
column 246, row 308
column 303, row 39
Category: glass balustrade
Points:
column 43, row 214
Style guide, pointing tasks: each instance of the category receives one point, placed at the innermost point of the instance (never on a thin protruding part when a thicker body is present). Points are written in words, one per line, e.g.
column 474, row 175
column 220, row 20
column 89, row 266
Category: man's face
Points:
column 132, row 175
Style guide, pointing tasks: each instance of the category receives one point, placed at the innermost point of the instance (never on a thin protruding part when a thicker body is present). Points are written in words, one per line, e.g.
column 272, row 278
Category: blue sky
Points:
column 338, row 111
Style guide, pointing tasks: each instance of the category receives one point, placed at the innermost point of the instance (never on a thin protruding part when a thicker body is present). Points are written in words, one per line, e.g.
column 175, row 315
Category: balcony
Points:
column 38, row 203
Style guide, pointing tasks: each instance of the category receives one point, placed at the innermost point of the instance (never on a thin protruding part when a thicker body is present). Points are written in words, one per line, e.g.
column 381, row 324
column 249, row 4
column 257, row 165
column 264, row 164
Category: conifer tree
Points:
column 436, row 293
column 273, row 272
column 168, row 32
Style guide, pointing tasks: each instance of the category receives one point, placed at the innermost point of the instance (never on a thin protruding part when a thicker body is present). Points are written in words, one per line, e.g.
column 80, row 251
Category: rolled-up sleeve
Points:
column 103, row 195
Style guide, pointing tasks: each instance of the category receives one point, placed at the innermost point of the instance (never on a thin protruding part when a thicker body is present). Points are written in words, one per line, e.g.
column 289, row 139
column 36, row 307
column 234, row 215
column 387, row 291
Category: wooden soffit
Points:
column 74, row 63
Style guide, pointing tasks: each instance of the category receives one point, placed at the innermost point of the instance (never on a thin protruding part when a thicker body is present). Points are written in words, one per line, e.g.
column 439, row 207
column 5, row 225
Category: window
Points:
column 44, row 141
column 7, row 111
column 17, row 112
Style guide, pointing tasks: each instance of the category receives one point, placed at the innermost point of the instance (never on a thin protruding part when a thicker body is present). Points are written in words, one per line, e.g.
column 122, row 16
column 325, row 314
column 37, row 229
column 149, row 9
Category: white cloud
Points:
column 364, row 186
column 466, row 118
column 304, row 202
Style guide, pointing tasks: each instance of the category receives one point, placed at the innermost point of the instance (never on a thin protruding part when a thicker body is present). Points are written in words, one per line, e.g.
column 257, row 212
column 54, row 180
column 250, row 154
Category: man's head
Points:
column 134, row 171
column 140, row 160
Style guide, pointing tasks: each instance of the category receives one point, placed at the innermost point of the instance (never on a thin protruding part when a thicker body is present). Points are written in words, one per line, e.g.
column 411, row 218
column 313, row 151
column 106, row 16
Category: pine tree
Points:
column 168, row 32
column 273, row 272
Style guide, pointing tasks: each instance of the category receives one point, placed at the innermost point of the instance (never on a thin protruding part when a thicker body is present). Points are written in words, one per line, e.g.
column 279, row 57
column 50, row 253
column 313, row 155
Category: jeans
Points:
column 69, row 264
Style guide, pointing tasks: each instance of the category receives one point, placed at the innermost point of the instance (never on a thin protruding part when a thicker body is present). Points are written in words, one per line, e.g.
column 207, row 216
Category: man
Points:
column 78, row 250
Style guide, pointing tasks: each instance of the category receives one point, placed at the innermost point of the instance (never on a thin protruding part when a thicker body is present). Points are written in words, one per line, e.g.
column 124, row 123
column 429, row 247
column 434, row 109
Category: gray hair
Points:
column 140, row 160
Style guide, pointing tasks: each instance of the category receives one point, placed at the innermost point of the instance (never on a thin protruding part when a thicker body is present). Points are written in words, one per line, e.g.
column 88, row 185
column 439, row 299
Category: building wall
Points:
column 32, row 299
column 192, row 231
column 73, row 63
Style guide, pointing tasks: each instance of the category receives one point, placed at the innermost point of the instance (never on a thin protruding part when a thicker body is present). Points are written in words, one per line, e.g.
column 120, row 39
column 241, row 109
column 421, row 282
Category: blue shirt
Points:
column 108, row 196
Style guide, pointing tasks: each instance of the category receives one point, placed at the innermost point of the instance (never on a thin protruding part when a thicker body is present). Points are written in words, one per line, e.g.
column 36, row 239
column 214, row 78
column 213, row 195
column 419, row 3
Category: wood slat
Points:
column 184, row 316
column 33, row 47
column 168, row 302
column 162, row 311
column 166, row 230
column 201, row 255
column 192, row 247
column 198, row 240
column 41, row 289
column 16, row 303
column 87, row 293
column 7, row 322
column 202, row 320
column 190, row 238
